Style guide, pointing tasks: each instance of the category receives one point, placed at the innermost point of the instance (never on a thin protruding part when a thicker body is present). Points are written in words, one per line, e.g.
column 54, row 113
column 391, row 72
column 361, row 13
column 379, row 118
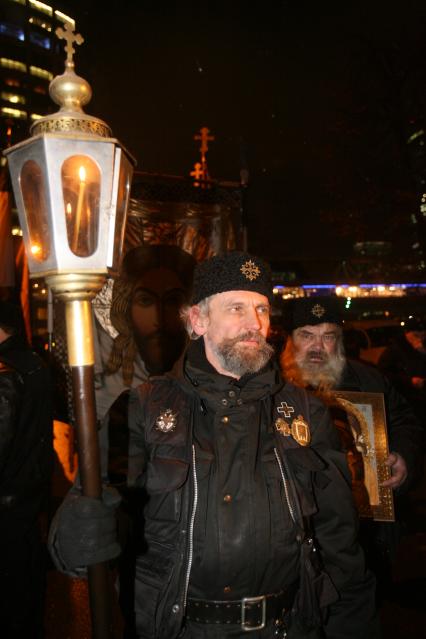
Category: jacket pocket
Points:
column 164, row 482
column 281, row 524
column 153, row 573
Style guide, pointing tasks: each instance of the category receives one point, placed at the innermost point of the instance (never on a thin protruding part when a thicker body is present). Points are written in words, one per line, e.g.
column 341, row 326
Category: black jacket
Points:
column 311, row 481
column 26, row 448
column 400, row 362
column 406, row 436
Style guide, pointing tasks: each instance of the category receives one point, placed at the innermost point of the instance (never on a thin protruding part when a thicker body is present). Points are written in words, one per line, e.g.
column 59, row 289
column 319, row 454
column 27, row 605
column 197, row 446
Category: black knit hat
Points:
column 234, row 271
column 309, row 311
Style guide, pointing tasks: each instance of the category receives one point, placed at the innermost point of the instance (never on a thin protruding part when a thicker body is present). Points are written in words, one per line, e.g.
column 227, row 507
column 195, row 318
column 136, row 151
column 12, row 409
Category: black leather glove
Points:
column 84, row 531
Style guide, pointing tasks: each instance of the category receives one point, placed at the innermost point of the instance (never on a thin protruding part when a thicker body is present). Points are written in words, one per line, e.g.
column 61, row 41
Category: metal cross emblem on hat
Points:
column 285, row 409
column 318, row 310
column 250, row 270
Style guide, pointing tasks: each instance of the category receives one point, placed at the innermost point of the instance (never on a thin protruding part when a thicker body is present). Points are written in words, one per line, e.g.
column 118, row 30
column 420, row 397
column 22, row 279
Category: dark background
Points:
column 317, row 101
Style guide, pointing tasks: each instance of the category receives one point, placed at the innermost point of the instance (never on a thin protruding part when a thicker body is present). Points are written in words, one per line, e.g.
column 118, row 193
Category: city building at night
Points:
column 31, row 55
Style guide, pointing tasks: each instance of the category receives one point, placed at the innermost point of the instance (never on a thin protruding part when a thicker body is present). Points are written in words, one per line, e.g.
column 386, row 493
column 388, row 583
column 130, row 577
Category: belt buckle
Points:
column 253, row 600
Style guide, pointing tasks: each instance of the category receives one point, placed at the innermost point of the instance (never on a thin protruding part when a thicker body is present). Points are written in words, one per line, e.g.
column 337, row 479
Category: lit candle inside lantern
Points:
column 82, row 176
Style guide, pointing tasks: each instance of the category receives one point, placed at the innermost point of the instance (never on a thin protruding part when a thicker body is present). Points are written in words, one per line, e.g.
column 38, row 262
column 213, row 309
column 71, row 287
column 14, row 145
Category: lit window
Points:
column 12, row 64
column 40, row 40
column 40, row 22
column 40, row 89
column 35, row 116
column 40, row 6
column 12, row 30
column 14, row 113
column 12, row 82
column 12, row 97
column 65, row 19
column 41, row 73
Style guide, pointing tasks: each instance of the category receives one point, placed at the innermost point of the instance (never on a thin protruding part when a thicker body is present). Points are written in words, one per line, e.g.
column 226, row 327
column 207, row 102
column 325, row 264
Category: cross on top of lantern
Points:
column 71, row 181
column 200, row 173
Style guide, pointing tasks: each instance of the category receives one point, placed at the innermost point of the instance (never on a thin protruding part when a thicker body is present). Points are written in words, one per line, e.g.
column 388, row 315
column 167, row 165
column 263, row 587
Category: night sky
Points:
column 317, row 103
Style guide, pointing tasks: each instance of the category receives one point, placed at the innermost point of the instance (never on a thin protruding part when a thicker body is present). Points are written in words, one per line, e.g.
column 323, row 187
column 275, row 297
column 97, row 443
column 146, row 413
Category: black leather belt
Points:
column 251, row 613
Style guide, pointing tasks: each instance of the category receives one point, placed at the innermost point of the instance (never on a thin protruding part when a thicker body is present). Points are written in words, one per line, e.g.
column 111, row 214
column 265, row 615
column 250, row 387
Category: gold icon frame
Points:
column 371, row 439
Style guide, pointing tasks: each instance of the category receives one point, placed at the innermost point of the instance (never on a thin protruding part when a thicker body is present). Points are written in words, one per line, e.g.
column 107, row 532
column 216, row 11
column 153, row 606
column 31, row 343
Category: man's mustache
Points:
column 248, row 335
column 317, row 355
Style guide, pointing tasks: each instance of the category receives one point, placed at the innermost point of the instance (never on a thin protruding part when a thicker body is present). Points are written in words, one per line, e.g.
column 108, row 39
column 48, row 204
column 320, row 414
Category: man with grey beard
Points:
column 314, row 358
column 240, row 470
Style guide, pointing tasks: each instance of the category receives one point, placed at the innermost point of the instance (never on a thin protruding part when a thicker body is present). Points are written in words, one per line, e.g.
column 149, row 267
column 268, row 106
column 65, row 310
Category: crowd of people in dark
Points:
column 241, row 492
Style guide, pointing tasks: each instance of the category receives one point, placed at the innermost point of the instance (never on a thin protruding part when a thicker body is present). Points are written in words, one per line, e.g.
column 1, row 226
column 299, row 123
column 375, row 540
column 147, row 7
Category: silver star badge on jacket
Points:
column 166, row 421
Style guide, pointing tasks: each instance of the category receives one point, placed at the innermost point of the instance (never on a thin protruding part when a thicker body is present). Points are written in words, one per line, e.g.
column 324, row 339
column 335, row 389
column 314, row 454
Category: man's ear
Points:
column 199, row 321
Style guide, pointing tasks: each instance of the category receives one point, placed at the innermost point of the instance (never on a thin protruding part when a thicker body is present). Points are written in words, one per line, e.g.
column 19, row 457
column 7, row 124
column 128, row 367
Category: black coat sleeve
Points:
column 406, row 436
column 9, row 407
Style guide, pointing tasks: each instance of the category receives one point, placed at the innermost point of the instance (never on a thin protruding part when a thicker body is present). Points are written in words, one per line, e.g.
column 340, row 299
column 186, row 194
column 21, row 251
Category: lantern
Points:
column 71, row 180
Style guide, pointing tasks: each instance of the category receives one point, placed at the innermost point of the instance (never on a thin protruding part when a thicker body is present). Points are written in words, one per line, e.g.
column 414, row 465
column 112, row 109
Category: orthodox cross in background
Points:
column 197, row 173
column 200, row 171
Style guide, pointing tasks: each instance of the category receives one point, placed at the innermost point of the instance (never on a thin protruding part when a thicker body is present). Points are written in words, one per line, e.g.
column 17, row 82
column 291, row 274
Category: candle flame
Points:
column 82, row 174
column 35, row 249
column 69, row 208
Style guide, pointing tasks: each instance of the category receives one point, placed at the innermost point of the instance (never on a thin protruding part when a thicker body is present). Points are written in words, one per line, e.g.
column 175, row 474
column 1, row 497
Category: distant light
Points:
column 415, row 135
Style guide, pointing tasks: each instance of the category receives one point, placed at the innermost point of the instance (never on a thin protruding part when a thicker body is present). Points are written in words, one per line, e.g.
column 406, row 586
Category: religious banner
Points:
column 169, row 210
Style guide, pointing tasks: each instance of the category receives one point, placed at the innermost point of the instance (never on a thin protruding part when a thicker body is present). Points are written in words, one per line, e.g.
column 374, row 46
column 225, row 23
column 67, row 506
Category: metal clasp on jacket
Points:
column 253, row 600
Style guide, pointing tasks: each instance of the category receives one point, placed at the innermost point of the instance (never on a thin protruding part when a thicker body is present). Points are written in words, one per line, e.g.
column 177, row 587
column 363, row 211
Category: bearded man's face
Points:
column 318, row 353
column 235, row 331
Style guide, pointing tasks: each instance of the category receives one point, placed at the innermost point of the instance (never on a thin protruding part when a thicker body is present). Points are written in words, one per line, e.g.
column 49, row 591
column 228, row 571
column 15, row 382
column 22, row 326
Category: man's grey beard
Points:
column 325, row 376
column 239, row 360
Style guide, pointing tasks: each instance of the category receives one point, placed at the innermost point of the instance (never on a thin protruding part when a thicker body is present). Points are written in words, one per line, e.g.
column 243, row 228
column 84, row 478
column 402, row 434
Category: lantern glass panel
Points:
column 124, row 183
column 35, row 202
column 81, row 189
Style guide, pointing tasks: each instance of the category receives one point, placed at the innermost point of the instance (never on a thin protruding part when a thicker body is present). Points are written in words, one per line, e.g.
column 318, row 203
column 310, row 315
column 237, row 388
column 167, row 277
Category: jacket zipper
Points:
column 191, row 527
column 285, row 484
